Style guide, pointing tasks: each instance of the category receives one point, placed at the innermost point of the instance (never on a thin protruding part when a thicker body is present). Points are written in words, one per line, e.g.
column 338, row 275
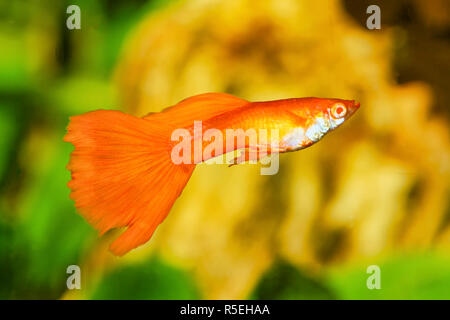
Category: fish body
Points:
column 123, row 169
column 287, row 125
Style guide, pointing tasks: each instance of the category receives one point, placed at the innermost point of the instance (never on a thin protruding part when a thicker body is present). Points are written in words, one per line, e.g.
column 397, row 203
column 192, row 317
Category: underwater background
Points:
column 374, row 192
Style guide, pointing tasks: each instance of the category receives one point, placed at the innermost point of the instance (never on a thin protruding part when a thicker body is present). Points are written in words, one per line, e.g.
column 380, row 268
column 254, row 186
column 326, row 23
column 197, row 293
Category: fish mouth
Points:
column 353, row 107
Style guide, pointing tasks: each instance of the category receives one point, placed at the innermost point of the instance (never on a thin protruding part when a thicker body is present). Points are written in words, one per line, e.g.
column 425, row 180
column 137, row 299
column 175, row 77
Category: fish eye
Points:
column 338, row 110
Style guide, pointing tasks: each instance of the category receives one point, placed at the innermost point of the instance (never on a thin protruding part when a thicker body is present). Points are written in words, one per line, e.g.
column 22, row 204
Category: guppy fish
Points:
column 123, row 173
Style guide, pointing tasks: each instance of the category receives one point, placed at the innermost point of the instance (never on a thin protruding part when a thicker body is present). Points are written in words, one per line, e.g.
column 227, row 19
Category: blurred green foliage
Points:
column 285, row 282
column 152, row 279
column 48, row 73
column 408, row 276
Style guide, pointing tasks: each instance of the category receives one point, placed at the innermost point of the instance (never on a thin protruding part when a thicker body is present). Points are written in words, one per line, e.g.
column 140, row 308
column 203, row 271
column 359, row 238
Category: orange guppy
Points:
column 123, row 171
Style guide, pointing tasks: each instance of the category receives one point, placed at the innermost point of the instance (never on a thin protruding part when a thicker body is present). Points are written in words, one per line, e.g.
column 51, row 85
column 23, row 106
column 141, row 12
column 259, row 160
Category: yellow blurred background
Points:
column 374, row 192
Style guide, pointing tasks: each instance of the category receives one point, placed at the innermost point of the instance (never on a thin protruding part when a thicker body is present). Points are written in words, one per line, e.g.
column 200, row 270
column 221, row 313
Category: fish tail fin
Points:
column 122, row 174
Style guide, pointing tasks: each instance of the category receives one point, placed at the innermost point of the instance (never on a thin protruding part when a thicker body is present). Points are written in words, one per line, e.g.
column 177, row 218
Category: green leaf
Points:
column 412, row 276
column 15, row 72
column 52, row 234
column 153, row 279
column 80, row 94
column 9, row 132
column 283, row 281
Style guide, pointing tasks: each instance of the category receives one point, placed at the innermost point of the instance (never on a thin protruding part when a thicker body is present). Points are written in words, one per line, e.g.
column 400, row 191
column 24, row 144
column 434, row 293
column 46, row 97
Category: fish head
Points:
column 338, row 111
column 325, row 115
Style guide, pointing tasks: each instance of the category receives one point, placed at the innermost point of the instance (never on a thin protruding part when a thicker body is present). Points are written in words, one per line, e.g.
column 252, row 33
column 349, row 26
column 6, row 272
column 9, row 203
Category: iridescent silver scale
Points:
column 301, row 137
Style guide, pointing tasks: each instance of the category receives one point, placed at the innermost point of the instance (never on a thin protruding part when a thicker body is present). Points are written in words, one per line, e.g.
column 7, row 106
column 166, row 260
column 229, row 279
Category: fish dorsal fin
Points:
column 200, row 107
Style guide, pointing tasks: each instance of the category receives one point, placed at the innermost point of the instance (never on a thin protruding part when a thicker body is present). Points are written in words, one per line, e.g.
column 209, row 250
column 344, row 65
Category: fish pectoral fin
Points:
column 251, row 155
